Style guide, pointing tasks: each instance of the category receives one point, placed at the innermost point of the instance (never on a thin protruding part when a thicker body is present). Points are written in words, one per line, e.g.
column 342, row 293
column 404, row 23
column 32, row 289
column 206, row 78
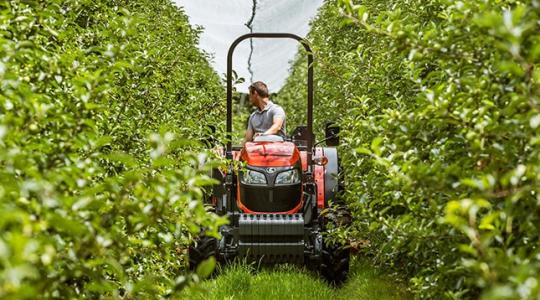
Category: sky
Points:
column 224, row 20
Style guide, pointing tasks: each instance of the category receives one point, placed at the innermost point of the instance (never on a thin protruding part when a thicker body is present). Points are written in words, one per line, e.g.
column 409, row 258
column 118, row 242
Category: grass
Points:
column 241, row 281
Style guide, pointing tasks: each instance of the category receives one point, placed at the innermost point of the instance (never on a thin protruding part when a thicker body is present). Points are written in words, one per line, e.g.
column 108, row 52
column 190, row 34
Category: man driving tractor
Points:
column 277, row 202
column 268, row 119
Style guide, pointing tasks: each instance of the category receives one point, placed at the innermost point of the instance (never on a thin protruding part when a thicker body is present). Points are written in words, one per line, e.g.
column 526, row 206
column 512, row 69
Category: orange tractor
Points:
column 276, row 205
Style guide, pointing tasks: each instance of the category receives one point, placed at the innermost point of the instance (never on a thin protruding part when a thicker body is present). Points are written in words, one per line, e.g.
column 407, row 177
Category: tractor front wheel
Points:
column 204, row 248
column 335, row 263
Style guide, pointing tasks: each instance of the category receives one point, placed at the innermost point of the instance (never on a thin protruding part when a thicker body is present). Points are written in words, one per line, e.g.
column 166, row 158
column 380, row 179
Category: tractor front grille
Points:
column 271, row 199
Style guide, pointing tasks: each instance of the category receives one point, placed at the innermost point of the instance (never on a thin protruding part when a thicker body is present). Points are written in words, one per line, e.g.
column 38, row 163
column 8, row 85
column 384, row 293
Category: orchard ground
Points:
column 244, row 281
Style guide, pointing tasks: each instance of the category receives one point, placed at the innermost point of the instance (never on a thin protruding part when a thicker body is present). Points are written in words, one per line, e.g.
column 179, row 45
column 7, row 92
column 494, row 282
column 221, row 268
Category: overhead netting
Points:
column 267, row 60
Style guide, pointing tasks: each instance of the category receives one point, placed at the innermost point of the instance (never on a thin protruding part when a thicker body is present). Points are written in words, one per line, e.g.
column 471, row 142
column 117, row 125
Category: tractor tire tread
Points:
column 202, row 250
column 335, row 264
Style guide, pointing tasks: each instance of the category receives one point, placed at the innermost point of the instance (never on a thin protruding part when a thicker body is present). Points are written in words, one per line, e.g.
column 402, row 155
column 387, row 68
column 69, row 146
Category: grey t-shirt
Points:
column 262, row 120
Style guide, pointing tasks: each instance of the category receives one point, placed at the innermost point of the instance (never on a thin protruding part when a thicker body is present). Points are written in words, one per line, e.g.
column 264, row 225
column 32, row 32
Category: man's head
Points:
column 258, row 91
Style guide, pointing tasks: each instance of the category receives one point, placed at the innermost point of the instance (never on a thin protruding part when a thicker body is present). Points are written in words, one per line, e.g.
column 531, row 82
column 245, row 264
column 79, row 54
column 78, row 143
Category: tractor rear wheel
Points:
column 205, row 248
column 335, row 263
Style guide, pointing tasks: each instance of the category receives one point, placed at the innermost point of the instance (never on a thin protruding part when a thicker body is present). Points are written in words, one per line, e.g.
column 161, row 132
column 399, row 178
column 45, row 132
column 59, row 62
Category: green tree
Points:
column 438, row 105
column 101, row 174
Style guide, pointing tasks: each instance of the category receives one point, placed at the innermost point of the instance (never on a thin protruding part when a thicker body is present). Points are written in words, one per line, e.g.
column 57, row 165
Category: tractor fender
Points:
column 331, row 175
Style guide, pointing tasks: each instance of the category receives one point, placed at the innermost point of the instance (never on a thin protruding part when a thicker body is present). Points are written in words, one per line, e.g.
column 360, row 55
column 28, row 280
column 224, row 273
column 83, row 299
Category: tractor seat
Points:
column 268, row 138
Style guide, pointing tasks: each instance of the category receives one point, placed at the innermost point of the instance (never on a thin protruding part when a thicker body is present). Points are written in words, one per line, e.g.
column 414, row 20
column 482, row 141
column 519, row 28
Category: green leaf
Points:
column 363, row 150
column 123, row 158
column 375, row 145
column 206, row 267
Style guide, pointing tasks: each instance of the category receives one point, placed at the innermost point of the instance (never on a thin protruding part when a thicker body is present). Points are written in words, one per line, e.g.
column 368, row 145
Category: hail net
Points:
column 267, row 60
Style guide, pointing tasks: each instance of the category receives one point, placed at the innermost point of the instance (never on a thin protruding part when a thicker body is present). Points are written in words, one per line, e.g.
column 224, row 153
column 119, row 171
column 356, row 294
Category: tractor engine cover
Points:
column 270, row 154
column 272, row 181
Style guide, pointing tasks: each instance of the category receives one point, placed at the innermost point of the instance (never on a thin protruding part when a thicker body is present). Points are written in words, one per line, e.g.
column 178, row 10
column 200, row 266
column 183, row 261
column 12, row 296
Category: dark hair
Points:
column 260, row 87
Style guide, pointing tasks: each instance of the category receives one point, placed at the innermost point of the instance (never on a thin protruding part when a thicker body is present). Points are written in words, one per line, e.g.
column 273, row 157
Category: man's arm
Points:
column 248, row 137
column 276, row 126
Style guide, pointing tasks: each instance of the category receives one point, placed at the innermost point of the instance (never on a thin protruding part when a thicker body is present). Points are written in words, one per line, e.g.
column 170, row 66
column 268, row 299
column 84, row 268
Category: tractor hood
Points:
column 270, row 154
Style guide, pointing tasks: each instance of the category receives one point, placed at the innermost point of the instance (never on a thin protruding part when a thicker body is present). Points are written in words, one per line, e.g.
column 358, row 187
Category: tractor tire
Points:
column 335, row 258
column 205, row 248
column 335, row 264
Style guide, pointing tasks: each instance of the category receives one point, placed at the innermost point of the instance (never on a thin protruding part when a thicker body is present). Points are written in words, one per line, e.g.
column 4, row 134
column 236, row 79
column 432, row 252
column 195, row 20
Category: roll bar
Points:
column 309, row 86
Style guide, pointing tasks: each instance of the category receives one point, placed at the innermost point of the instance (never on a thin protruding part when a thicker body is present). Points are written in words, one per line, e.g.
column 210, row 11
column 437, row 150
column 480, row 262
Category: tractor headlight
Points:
column 288, row 177
column 253, row 177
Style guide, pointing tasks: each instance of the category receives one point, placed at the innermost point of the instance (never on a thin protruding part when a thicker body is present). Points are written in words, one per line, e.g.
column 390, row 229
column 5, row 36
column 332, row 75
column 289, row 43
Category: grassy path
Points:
column 288, row 282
